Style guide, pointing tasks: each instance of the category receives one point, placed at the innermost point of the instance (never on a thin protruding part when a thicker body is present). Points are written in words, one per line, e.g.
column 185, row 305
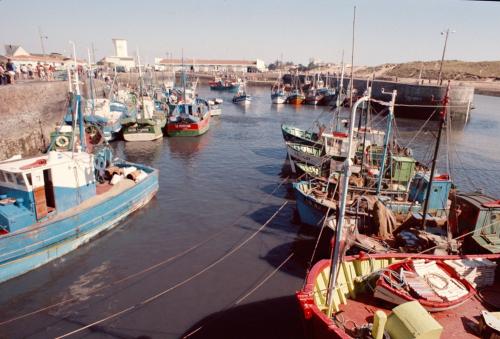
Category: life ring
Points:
column 62, row 141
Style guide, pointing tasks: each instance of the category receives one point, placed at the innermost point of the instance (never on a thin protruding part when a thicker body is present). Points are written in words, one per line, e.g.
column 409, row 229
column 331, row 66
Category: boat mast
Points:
column 341, row 220
column 352, row 57
column 387, row 137
column 91, row 87
column 184, row 83
column 78, row 109
column 140, row 84
column 367, row 113
column 436, row 152
column 340, row 90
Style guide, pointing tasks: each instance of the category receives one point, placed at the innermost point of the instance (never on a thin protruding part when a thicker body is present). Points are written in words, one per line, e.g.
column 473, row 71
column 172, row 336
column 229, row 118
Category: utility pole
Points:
column 445, row 33
column 41, row 39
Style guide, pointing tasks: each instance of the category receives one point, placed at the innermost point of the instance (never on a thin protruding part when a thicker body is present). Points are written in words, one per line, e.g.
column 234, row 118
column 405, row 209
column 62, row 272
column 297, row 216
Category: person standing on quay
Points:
column 3, row 81
column 11, row 71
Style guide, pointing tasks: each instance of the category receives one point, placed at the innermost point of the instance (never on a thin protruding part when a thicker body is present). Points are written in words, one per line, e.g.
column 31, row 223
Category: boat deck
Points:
column 459, row 322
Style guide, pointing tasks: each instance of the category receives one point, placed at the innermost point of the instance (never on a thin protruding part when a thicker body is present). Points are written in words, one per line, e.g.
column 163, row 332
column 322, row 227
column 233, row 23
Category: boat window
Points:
column 495, row 222
column 19, row 179
column 10, row 177
column 2, row 176
column 28, row 177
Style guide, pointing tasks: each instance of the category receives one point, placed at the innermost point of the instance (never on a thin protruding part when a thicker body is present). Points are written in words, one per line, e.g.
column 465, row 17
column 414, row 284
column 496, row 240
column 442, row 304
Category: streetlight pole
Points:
column 445, row 33
column 41, row 39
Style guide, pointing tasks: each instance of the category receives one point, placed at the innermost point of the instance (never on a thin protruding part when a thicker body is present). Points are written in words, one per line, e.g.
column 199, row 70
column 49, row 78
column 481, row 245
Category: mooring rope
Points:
column 144, row 271
column 179, row 284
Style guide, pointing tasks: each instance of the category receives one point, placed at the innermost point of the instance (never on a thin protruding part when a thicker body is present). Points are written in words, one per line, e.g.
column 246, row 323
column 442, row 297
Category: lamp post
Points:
column 445, row 33
column 42, row 37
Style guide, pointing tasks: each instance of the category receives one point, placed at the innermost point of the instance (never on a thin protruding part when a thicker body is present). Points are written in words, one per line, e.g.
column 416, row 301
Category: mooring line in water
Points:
column 264, row 280
column 144, row 271
column 237, row 302
column 185, row 281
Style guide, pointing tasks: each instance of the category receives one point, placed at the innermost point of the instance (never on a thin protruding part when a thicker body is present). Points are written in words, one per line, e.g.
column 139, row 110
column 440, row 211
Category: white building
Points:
column 20, row 56
column 211, row 66
column 121, row 58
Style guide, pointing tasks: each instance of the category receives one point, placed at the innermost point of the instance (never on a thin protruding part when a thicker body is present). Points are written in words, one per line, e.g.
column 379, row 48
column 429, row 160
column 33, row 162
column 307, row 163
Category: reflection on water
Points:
column 147, row 152
column 188, row 146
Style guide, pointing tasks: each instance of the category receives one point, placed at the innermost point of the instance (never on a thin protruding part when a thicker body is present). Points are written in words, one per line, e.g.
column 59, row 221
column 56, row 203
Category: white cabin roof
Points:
column 51, row 159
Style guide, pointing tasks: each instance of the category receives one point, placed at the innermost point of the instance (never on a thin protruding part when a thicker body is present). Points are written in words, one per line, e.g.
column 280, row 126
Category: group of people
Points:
column 10, row 72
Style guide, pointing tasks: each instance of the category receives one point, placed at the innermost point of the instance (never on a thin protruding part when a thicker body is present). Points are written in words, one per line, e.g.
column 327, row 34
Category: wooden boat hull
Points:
column 300, row 136
column 327, row 100
column 215, row 112
column 387, row 292
column 318, row 325
column 242, row 100
column 142, row 133
column 43, row 242
column 183, row 129
column 278, row 98
column 310, row 211
column 229, row 88
column 295, row 99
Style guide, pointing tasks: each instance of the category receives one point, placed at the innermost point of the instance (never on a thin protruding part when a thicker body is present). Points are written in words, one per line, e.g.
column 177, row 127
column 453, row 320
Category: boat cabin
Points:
column 438, row 199
column 479, row 213
column 33, row 189
column 336, row 144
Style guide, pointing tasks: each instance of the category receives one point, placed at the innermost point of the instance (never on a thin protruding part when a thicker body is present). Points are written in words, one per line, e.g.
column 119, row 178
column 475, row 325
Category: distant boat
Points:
column 53, row 203
column 241, row 97
column 148, row 126
column 214, row 107
column 296, row 97
column 278, row 94
column 224, row 85
column 108, row 115
column 188, row 120
column 301, row 136
column 278, row 97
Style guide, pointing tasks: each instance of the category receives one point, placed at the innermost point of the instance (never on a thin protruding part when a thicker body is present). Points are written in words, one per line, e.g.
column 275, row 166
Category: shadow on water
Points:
column 252, row 321
column 302, row 247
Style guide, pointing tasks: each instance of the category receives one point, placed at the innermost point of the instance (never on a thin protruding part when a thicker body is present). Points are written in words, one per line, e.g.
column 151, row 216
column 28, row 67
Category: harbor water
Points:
column 177, row 266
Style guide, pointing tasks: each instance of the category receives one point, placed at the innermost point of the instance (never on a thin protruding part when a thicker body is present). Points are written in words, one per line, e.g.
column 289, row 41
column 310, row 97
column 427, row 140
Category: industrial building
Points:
column 211, row 66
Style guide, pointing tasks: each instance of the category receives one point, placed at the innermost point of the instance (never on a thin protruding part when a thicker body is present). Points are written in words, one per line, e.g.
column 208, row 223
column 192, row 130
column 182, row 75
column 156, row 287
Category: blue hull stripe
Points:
column 38, row 246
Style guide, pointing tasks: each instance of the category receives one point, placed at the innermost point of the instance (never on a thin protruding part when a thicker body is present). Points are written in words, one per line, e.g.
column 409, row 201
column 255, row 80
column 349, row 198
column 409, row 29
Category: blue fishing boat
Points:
column 241, row 97
column 278, row 94
column 53, row 203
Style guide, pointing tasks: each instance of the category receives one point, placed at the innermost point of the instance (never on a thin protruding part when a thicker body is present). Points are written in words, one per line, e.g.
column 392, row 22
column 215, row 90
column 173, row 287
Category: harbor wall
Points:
column 425, row 96
column 29, row 113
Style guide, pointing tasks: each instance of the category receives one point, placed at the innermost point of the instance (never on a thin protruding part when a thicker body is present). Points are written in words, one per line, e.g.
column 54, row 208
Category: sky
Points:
column 387, row 31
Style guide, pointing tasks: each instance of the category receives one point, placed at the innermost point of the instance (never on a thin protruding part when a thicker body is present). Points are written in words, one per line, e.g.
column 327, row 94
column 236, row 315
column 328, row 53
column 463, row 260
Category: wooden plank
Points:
column 40, row 202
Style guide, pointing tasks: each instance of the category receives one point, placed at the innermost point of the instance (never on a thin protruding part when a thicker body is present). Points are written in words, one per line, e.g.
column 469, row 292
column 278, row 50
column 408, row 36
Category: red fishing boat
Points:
column 354, row 308
column 189, row 120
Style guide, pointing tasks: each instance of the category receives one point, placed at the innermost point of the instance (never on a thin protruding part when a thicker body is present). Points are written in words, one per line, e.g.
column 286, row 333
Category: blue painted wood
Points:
column 45, row 241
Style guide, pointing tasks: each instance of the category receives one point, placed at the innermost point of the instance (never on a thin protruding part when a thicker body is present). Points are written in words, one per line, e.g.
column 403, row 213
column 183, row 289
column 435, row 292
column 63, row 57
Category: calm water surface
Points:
column 220, row 187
